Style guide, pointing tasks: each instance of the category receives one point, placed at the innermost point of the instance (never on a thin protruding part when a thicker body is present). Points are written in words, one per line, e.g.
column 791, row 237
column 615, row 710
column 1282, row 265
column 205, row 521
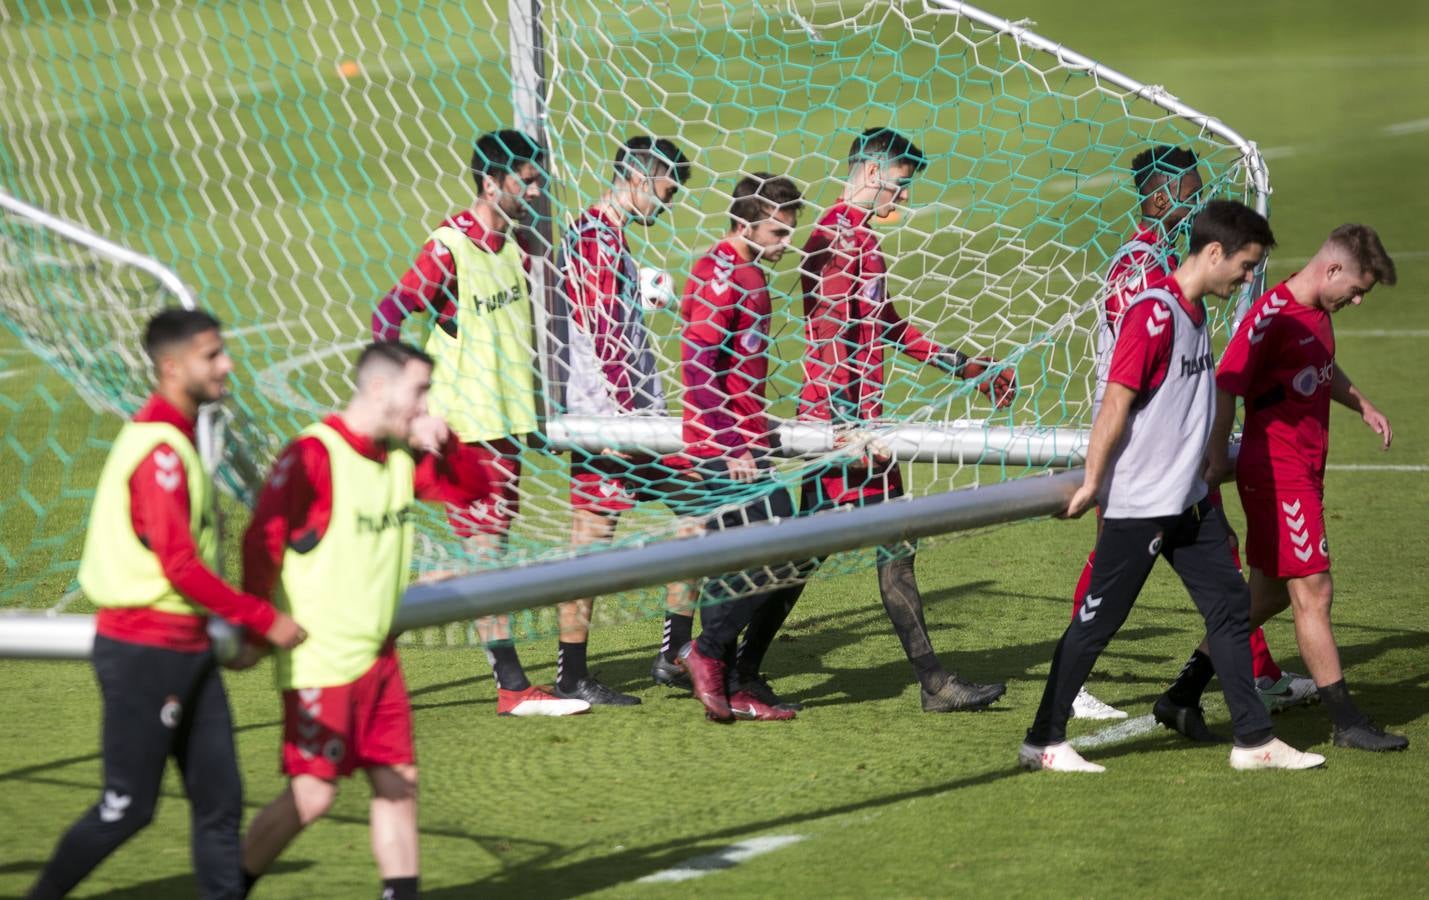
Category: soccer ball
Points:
column 227, row 639
column 656, row 289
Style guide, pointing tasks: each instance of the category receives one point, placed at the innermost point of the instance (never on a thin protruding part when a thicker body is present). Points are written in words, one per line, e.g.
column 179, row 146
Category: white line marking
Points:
column 1382, row 333
column 1375, row 467
column 727, row 858
column 1068, row 185
column 1121, row 731
column 258, row 329
column 1279, row 152
column 1402, row 128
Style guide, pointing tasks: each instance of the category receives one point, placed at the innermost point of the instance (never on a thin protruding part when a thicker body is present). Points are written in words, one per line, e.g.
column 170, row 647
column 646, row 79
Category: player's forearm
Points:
column 393, row 310
column 1344, row 392
column 1107, row 432
column 1221, row 425
column 455, row 476
column 199, row 583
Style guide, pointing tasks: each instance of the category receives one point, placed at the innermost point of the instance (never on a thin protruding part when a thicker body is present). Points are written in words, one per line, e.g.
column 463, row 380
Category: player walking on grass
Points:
column 471, row 278
column 849, row 325
column 1169, row 183
column 613, row 372
column 728, row 440
column 148, row 565
column 1282, row 362
column 331, row 542
column 1145, row 467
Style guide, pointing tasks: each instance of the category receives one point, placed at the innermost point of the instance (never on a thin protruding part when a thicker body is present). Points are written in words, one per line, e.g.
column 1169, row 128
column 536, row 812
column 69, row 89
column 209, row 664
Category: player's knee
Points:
column 396, row 783
column 312, row 797
column 1312, row 596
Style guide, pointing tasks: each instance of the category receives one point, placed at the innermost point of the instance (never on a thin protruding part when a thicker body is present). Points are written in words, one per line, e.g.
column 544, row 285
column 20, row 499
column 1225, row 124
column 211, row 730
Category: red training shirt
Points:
column 724, row 363
column 1142, row 355
column 295, row 505
column 1282, row 361
column 849, row 320
column 159, row 512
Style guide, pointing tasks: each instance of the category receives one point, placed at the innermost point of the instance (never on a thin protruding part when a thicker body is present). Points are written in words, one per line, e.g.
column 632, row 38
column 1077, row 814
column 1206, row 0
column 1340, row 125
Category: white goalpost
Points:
column 1003, row 253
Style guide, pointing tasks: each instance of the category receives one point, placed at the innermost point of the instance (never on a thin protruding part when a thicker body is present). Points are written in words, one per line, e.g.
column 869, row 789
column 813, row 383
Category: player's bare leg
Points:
column 573, row 678
column 515, row 695
column 394, row 822
column 680, row 600
column 306, row 799
column 1310, row 598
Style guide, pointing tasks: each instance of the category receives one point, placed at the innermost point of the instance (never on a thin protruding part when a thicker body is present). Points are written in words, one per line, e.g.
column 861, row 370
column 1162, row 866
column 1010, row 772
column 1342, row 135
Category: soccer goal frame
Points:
column 954, row 442
column 52, row 635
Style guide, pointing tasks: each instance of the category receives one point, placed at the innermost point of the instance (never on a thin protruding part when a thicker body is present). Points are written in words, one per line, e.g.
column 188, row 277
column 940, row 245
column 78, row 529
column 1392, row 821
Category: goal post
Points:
column 291, row 179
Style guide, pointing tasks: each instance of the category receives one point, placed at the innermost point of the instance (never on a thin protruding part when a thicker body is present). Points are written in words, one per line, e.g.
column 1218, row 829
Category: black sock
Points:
column 678, row 628
column 931, row 674
column 1188, row 687
column 249, row 879
column 399, row 888
column 1342, row 709
column 506, row 666
column 570, row 664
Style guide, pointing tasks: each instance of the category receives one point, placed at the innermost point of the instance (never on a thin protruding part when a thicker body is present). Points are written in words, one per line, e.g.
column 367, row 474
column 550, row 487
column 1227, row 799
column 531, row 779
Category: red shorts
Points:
column 332, row 731
column 1285, row 532
column 502, row 458
column 610, row 485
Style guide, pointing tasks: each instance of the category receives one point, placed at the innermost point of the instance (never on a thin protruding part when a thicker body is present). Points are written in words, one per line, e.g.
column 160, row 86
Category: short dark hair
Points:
column 887, row 144
column 651, row 156
column 759, row 195
column 175, row 326
column 1162, row 160
column 503, row 152
column 1232, row 225
column 1362, row 244
column 390, row 353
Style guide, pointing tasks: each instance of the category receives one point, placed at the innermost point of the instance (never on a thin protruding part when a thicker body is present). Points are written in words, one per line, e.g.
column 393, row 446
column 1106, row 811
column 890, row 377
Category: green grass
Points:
column 890, row 802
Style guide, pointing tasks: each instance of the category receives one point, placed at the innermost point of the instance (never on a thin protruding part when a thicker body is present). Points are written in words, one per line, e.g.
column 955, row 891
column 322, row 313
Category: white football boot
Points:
column 1087, row 706
column 1054, row 758
column 1274, row 754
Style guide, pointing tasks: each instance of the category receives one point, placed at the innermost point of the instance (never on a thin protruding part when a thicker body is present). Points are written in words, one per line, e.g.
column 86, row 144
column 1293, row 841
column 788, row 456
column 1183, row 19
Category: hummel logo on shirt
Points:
column 1196, row 366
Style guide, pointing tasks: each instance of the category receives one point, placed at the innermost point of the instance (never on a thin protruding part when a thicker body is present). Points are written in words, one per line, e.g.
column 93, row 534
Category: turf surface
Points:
column 891, row 802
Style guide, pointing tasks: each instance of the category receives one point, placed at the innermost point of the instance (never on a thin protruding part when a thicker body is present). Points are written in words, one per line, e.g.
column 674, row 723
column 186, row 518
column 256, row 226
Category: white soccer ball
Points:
column 657, row 291
column 227, row 639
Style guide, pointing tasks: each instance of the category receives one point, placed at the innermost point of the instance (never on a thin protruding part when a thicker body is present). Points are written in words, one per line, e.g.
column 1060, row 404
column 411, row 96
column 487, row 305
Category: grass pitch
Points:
column 888, row 801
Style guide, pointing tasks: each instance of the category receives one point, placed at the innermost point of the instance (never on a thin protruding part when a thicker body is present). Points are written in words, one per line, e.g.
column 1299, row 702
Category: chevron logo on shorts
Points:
column 1295, row 522
column 1263, row 320
column 1089, row 609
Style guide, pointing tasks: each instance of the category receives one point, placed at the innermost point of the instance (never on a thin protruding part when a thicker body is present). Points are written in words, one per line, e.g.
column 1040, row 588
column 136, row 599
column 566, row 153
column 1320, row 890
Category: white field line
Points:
column 1068, row 185
column 1402, row 128
column 219, row 91
column 727, row 858
column 267, row 326
column 1121, row 731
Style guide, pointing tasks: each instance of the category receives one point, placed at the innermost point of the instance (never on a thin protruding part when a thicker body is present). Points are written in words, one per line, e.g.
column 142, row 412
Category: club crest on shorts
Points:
column 1154, row 547
column 334, row 750
column 1324, row 547
column 171, row 712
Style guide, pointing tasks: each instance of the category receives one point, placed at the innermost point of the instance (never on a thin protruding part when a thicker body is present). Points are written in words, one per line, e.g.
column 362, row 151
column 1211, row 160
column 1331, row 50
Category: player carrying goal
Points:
column 613, row 372
column 850, row 324
column 1169, row 183
column 471, row 278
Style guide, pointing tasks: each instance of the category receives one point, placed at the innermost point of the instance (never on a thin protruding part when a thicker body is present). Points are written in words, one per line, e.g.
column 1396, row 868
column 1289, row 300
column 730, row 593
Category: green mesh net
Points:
column 287, row 160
